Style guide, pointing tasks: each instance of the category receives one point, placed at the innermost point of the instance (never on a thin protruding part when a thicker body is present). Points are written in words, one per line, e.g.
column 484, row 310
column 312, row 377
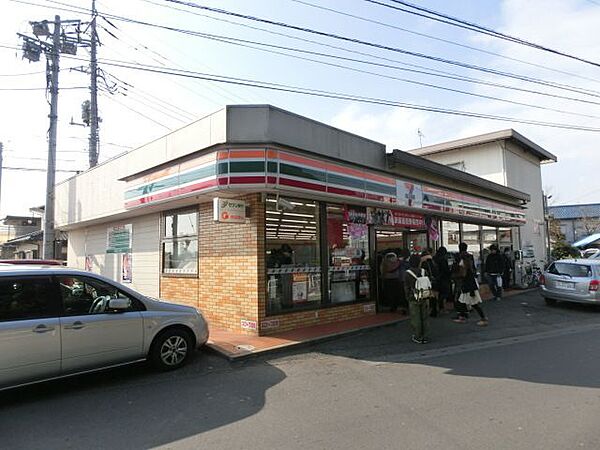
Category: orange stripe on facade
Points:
column 246, row 154
column 336, row 168
column 173, row 170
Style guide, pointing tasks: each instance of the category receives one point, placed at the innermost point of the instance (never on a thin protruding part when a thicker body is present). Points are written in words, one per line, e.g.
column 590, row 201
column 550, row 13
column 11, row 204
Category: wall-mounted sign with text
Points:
column 228, row 210
column 392, row 218
column 118, row 239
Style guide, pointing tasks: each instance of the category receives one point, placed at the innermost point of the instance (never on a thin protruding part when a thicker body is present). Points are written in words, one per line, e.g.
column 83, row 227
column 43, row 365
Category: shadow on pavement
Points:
column 526, row 340
column 133, row 407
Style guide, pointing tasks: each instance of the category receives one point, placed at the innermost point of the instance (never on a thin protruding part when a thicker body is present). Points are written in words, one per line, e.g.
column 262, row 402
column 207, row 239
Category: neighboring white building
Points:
column 507, row 158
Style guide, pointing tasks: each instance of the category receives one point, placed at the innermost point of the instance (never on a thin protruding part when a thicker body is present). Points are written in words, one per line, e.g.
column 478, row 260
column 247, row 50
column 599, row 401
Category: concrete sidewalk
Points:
column 236, row 346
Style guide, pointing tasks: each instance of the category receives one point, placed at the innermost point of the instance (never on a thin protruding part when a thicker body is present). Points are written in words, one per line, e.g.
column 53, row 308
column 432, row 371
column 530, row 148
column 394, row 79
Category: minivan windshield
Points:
column 572, row 270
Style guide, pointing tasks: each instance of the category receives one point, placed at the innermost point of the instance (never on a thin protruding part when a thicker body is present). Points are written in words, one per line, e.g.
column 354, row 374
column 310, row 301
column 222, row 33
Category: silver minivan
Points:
column 57, row 322
column 572, row 280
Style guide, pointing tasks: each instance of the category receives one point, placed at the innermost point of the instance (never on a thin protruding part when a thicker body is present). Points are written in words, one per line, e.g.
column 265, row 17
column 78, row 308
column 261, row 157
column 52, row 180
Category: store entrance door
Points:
column 387, row 239
column 416, row 241
column 399, row 241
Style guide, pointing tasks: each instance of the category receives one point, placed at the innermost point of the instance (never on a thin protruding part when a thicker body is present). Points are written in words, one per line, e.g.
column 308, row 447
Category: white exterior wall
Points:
column 145, row 252
column 523, row 173
column 485, row 161
column 98, row 193
column 511, row 166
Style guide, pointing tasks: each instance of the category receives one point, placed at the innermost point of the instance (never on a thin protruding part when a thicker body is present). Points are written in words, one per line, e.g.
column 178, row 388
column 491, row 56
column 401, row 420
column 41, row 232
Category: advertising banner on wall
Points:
column 409, row 194
column 229, row 211
column 119, row 238
column 390, row 217
column 126, row 269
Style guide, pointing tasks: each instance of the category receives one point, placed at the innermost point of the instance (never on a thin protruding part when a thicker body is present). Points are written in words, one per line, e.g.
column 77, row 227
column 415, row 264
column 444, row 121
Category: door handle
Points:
column 42, row 329
column 77, row 325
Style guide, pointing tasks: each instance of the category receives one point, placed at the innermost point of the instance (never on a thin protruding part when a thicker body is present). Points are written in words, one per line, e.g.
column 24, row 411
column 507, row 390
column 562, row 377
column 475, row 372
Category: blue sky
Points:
column 570, row 25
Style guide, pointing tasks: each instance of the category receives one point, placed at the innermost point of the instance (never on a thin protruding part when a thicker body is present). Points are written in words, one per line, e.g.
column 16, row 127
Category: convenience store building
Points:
column 270, row 221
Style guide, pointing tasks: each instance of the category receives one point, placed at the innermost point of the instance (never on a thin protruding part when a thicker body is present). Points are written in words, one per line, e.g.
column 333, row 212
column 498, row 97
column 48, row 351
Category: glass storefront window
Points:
column 389, row 240
column 450, row 236
column 292, row 254
column 489, row 236
column 348, row 247
column 180, row 242
column 505, row 238
column 471, row 237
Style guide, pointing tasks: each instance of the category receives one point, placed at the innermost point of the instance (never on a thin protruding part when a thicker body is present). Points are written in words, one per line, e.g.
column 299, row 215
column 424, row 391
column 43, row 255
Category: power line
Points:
column 472, row 26
column 21, row 74
column 236, row 41
column 348, row 39
column 137, row 112
column 31, row 169
column 242, row 43
column 327, row 94
column 428, row 71
column 387, row 47
column 449, row 74
column 41, row 88
column 439, row 39
column 341, row 96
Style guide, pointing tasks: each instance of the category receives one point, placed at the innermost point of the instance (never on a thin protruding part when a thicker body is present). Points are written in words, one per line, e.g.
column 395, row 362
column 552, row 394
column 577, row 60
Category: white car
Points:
column 57, row 322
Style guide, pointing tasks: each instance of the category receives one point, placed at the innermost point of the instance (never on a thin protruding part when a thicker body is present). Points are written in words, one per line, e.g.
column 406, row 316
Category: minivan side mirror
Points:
column 119, row 304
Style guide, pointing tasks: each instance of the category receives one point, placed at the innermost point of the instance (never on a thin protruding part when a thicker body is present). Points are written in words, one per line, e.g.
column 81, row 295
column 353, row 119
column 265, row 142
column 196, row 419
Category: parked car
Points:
column 572, row 280
column 38, row 262
column 591, row 253
column 57, row 322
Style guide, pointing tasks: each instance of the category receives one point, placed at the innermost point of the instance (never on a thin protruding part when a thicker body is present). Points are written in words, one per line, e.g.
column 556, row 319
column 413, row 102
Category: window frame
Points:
column 137, row 304
column 173, row 239
column 55, row 306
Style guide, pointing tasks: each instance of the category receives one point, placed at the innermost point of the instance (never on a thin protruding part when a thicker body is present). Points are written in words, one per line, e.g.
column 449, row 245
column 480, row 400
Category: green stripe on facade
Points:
column 302, row 172
column 247, row 166
column 171, row 182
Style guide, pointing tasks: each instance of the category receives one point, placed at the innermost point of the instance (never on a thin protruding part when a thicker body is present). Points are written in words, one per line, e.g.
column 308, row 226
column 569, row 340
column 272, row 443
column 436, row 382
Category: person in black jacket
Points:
column 469, row 290
column 494, row 269
column 444, row 287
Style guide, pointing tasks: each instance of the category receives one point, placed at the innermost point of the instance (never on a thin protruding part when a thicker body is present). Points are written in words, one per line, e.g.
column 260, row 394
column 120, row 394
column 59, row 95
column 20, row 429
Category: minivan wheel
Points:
column 550, row 301
column 171, row 349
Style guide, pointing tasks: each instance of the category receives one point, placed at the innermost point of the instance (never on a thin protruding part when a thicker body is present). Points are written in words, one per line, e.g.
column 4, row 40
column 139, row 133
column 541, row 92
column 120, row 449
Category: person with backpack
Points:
column 431, row 270
column 417, row 287
column 494, row 269
column 469, row 289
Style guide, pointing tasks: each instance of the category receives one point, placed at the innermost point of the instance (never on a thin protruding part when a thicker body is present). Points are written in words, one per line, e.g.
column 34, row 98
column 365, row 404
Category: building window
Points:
column 180, row 242
column 293, row 254
column 450, row 236
column 348, row 247
column 472, row 237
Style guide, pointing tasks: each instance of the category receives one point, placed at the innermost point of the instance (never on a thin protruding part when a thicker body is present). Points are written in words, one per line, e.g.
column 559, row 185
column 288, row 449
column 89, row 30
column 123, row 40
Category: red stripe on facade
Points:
column 345, row 192
column 302, row 184
column 173, row 193
column 247, row 180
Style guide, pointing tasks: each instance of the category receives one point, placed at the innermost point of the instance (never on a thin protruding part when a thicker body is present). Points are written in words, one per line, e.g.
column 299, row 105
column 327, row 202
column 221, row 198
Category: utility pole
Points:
column 48, row 248
column 66, row 38
column 1, row 163
column 93, row 150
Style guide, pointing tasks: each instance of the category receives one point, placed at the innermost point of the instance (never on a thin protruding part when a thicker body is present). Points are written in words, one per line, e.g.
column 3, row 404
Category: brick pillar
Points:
column 231, row 268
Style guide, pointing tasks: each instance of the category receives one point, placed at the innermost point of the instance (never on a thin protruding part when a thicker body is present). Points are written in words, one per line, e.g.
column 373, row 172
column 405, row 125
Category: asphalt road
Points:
column 530, row 380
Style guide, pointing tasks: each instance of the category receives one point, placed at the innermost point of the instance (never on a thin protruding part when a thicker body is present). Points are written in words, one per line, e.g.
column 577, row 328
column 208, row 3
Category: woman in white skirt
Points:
column 470, row 293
